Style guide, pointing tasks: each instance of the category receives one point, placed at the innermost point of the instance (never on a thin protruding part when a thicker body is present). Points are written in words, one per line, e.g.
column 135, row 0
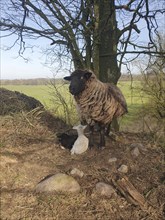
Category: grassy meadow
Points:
column 51, row 98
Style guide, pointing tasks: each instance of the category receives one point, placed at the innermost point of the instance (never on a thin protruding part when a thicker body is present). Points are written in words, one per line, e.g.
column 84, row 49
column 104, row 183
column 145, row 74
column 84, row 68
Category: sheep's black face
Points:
column 77, row 81
column 77, row 85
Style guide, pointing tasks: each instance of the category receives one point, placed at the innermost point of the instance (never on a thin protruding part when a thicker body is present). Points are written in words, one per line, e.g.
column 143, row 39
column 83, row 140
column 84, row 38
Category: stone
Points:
column 77, row 172
column 59, row 182
column 135, row 152
column 113, row 159
column 123, row 168
column 138, row 145
column 105, row 189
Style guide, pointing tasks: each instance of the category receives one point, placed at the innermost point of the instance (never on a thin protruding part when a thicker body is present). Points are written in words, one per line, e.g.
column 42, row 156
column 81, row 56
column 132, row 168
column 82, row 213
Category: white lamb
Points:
column 81, row 143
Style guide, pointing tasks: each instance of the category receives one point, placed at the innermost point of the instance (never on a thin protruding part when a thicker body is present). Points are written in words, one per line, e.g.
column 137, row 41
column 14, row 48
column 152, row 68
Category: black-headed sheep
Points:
column 97, row 102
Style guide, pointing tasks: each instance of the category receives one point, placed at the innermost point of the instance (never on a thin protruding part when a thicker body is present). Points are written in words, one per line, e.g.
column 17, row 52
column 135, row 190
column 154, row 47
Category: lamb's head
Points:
column 78, row 81
column 79, row 127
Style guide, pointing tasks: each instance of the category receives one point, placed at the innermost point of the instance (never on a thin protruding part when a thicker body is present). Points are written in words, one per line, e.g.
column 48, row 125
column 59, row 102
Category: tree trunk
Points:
column 96, row 40
column 108, row 67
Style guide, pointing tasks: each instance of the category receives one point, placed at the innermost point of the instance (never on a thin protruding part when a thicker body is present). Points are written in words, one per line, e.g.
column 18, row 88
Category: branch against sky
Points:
column 70, row 26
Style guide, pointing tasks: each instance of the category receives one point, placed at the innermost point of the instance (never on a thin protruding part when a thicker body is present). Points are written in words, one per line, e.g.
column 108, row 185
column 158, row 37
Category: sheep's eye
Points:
column 82, row 77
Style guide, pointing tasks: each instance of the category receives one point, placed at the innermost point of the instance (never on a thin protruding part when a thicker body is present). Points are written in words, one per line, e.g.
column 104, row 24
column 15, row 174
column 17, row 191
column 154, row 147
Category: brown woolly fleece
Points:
column 100, row 102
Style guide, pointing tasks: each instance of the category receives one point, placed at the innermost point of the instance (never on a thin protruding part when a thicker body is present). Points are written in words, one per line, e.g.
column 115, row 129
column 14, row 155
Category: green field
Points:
column 51, row 99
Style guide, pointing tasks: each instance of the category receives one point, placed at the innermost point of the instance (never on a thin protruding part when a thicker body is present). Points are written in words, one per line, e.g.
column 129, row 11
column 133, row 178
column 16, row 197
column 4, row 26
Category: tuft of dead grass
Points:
column 30, row 152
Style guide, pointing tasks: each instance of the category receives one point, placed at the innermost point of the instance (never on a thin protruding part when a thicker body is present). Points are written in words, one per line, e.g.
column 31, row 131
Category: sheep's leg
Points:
column 102, row 137
column 91, row 140
column 108, row 128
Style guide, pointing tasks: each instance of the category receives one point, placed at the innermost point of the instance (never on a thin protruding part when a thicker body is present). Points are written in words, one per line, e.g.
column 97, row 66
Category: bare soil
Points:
column 13, row 101
column 30, row 151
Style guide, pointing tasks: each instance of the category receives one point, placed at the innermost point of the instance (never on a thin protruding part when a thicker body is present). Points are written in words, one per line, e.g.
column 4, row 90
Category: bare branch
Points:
column 126, row 7
column 82, row 32
column 151, row 53
column 128, row 28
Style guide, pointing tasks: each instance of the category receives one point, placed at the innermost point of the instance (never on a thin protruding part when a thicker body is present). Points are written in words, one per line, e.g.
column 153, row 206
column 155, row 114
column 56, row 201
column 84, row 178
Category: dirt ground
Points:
column 14, row 101
column 29, row 152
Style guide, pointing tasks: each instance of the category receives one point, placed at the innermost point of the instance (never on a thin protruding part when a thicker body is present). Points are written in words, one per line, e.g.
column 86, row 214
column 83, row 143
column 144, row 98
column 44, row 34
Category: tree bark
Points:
column 108, row 66
column 108, row 38
column 96, row 39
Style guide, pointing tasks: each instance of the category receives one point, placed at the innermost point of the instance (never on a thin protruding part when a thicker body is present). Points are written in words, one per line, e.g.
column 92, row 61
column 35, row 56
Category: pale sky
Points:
column 15, row 67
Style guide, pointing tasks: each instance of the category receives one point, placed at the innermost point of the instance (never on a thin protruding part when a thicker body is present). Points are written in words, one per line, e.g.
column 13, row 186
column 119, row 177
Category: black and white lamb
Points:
column 97, row 102
column 66, row 140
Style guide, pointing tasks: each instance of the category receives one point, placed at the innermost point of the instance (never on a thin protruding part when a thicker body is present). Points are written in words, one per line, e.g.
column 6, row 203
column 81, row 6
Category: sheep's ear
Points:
column 87, row 75
column 68, row 78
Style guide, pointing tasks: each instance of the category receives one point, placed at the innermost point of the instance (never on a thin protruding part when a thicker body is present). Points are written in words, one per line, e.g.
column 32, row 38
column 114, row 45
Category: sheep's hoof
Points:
column 101, row 147
column 91, row 146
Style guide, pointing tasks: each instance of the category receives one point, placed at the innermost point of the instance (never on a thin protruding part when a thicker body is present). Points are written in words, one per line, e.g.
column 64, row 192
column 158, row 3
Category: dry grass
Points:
column 29, row 152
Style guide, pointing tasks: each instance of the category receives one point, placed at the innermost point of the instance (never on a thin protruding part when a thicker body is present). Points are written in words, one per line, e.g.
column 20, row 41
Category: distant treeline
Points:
column 45, row 81
column 37, row 81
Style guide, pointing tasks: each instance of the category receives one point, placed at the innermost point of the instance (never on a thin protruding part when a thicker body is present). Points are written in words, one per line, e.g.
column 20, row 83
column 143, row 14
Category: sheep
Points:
column 97, row 102
column 67, row 140
column 81, row 144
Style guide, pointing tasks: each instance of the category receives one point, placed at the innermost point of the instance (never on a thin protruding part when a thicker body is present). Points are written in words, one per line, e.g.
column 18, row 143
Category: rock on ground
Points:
column 139, row 146
column 105, row 189
column 123, row 168
column 111, row 160
column 77, row 172
column 58, row 182
column 135, row 152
